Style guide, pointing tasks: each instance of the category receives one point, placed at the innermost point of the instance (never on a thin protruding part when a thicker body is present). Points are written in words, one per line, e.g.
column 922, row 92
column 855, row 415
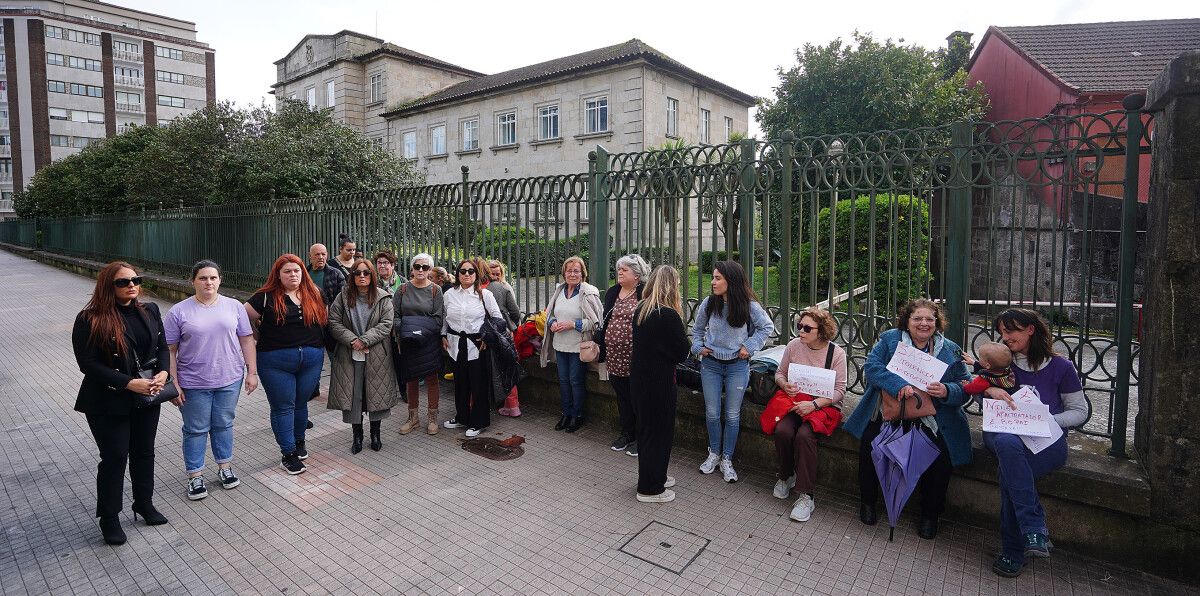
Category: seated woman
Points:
column 796, row 433
column 1023, row 531
column 919, row 325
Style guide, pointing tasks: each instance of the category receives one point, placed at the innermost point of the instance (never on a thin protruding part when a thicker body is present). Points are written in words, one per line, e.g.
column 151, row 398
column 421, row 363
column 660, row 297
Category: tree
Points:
column 956, row 56
column 868, row 86
column 221, row 154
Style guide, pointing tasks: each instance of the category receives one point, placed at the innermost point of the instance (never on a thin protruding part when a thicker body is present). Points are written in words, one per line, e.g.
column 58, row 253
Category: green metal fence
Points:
column 979, row 216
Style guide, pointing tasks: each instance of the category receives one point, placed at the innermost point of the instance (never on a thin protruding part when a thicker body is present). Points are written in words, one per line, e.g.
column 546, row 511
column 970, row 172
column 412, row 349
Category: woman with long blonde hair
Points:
column 660, row 343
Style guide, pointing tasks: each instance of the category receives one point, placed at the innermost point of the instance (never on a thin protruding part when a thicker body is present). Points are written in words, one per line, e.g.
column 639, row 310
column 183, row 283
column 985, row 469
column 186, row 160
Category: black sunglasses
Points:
column 361, row 273
column 123, row 282
column 806, row 328
column 466, row 272
column 422, row 267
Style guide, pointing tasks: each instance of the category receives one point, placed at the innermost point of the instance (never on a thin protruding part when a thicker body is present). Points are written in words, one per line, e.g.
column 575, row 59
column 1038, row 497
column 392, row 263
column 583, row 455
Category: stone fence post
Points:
column 1168, row 422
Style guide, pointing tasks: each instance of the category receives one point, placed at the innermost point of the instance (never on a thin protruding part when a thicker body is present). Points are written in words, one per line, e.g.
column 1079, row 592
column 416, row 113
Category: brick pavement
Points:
column 425, row 516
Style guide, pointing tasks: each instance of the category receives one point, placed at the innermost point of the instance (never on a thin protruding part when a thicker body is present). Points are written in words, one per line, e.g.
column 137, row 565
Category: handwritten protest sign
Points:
column 916, row 367
column 1027, row 394
column 817, row 382
column 1037, row 444
column 1027, row 419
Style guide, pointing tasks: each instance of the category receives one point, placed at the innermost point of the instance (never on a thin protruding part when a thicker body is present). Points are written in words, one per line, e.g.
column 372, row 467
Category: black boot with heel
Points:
column 356, row 444
column 148, row 513
column 376, row 442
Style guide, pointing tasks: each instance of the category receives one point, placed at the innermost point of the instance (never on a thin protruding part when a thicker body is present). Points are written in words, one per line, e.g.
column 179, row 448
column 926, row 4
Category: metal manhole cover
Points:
column 665, row 546
column 496, row 449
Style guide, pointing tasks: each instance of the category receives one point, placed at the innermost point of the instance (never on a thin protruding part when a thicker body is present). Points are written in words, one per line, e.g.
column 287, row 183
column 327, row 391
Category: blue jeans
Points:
column 717, row 377
column 1020, row 508
column 208, row 413
column 571, row 371
column 289, row 376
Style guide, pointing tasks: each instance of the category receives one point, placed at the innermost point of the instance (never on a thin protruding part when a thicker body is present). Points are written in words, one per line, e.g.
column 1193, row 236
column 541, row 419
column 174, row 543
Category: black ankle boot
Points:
column 356, row 444
column 866, row 514
column 376, row 442
column 149, row 513
column 928, row 528
column 110, row 527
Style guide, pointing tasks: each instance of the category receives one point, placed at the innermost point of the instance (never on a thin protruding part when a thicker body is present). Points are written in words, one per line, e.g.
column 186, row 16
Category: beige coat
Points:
column 382, row 392
column 593, row 315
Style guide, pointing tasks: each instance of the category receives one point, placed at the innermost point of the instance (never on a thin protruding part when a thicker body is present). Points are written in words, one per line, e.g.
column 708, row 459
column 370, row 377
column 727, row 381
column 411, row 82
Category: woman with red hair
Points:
column 114, row 338
column 291, row 316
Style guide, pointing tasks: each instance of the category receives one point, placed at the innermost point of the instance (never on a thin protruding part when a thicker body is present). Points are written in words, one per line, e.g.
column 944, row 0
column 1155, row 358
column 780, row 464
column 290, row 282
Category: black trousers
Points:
column 932, row 485
column 625, row 411
column 472, row 391
column 121, row 439
column 655, row 432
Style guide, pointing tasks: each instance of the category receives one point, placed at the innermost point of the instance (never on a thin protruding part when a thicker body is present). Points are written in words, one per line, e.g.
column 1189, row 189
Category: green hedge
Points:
column 901, row 221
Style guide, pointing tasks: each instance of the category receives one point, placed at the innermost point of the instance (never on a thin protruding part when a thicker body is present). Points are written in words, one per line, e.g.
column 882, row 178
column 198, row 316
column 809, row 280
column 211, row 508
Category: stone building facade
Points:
column 78, row 71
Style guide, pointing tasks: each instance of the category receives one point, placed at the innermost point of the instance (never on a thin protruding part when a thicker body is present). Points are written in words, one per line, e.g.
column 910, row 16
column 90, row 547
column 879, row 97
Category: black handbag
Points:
column 146, row 371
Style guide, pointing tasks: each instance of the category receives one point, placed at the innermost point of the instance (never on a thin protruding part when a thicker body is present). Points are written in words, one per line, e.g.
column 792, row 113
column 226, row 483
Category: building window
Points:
column 83, row 63
column 55, row 59
column 6, row 165
column 167, row 100
column 60, row 141
column 92, row 39
column 437, row 139
column 128, row 73
column 124, row 50
column 408, row 144
column 329, row 97
column 88, row 90
column 168, row 77
column 376, row 88
column 311, row 96
column 595, row 114
column 128, row 98
column 547, row 122
column 672, row 117
column 470, row 134
column 56, row 86
column 728, row 128
column 705, row 116
column 506, row 128
column 165, row 52
column 377, row 142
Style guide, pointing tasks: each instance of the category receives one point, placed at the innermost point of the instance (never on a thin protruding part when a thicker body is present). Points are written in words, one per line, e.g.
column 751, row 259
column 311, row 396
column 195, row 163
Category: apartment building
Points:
column 78, row 71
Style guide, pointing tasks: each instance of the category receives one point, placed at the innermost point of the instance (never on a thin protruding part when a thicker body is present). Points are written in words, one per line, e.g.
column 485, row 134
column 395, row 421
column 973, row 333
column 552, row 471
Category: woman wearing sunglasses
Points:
column 291, row 318
column 467, row 305
column 362, row 380
column 419, row 312
column 115, row 336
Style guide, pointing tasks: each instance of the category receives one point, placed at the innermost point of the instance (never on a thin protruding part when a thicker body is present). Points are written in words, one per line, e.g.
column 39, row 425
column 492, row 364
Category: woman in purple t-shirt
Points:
column 210, row 338
column 1023, row 531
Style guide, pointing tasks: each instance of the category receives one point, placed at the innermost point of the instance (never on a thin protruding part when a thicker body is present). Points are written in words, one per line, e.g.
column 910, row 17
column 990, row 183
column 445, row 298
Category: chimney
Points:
column 966, row 35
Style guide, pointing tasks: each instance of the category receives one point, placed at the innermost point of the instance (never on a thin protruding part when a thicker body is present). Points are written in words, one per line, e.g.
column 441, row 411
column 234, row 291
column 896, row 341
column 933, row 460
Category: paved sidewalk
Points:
column 424, row 516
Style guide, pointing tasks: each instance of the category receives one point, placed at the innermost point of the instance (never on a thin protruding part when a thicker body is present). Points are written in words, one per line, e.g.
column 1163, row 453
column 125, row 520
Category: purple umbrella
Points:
column 899, row 462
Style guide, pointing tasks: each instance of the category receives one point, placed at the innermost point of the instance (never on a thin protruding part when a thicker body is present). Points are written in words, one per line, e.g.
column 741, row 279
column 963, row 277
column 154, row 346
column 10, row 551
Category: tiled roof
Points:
column 395, row 50
column 1097, row 57
column 631, row 50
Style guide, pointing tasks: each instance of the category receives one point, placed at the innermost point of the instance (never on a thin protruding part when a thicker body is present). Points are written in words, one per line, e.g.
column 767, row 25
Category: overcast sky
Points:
column 737, row 43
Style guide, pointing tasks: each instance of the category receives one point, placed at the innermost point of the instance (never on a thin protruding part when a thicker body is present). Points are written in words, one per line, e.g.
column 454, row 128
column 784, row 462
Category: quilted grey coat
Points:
column 382, row 392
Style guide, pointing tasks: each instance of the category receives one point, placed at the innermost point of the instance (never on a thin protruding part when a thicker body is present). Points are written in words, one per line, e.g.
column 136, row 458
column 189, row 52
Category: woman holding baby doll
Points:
column 919, row 325
column 796, row 433
column 1023, row 531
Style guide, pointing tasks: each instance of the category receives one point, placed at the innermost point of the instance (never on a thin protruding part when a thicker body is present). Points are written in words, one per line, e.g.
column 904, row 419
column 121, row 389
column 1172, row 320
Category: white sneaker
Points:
column 710, row 463
column 783, row 488
column 670, row 482
column 665, row 496
column 727, row 470
column 452, row 423
column 803, row 508
column 473, row 432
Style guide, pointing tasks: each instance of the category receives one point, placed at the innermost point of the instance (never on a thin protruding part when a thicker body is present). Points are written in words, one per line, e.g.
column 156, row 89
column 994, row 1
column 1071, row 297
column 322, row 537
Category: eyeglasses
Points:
column 924, row 319
column 806, row 328
column 422, row 267
column 466, row 272
column 123, row 282
column 361, row 273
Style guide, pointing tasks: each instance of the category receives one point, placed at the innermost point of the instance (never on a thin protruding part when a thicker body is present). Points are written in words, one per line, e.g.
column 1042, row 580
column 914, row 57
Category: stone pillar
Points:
column 1168, row 422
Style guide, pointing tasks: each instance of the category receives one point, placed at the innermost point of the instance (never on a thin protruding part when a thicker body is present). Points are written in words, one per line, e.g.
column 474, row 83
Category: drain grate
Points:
column 495, row 449
column 665, row 546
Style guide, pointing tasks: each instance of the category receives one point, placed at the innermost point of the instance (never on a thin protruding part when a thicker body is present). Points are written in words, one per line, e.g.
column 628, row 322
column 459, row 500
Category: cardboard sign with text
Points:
column 916, row 367
column 1028, row 419
column 817, row 382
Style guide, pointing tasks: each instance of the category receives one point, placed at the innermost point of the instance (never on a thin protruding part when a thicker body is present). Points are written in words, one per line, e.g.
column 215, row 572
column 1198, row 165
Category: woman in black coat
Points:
column 114, row 337
column 660, row 343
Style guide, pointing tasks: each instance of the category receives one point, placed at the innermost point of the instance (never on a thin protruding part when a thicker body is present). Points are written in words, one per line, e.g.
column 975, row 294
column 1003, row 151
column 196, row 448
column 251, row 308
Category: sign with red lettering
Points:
column 1029, row 419
column 916, row 367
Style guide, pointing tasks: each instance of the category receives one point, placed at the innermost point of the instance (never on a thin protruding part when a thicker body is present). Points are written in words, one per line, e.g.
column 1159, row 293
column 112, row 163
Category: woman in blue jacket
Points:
column 730, row 327
column 920, row 325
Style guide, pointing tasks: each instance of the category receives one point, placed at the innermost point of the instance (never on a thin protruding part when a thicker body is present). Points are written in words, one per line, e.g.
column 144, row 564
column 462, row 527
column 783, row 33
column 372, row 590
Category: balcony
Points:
column 3, row 123
column 135, row 82
column 5, row 150
column 127, row 56
column 5, row 177
column 131, row 108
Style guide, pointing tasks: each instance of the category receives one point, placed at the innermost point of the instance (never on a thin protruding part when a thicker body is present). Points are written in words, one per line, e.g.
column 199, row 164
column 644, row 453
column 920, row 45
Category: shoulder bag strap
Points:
column 829, row 356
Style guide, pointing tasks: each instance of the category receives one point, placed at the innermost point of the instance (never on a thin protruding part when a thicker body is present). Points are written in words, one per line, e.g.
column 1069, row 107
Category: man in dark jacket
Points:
column 329, row 279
